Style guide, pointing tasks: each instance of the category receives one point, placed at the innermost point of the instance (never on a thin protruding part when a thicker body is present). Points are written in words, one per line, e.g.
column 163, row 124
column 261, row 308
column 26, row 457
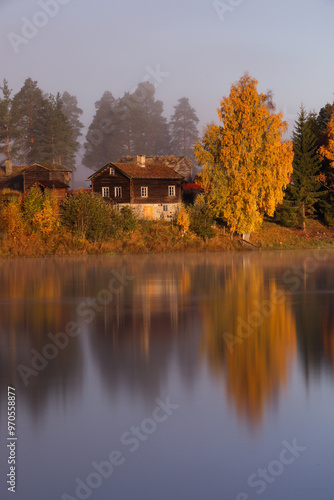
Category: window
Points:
column 118, row 192
column 165, row 208
column 144, row 192
column 171, row 190
column 111, row 171
column 105, row 192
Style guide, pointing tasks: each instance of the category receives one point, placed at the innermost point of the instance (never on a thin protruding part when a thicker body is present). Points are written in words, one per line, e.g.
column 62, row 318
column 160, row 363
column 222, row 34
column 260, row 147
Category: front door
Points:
column 148, row 212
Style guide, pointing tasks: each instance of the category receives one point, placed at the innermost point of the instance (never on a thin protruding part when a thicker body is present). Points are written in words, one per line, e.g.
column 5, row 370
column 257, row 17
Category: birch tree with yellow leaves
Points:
column 246, row 163
column 327, row 150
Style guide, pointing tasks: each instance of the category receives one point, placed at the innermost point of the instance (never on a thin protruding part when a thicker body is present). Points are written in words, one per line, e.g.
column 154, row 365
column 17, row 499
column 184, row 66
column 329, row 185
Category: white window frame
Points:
column 111, row 171
column 105, row 192
column 165, row 208
column 118, row 192
column 144, row 191
column 171, row 190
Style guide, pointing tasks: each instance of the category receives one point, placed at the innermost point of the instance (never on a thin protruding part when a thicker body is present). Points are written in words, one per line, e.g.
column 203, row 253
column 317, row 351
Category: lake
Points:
column 168, row 377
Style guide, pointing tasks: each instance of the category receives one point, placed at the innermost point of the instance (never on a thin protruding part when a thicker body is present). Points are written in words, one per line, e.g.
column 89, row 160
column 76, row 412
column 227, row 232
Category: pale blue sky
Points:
column 92, row 46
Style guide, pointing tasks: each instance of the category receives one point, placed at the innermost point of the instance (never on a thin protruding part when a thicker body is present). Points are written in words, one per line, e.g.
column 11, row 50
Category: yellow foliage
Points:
column 47, row 219
column 11, row 219
column 327, row 151
column 246, row 163
column 183, row 219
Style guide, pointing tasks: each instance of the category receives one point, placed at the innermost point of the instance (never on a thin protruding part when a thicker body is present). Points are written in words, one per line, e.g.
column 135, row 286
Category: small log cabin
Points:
column 152, row 190
column 24, row 177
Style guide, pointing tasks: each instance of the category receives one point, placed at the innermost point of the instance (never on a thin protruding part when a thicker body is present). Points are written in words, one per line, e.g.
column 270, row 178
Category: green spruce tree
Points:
column 183, row 129
column 304, row 190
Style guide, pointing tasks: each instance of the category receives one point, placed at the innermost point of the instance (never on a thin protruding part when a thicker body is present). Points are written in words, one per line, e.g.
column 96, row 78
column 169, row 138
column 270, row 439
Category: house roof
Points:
column 150, row 171
column 168, row 160
column 50, row 184
column 16, row 170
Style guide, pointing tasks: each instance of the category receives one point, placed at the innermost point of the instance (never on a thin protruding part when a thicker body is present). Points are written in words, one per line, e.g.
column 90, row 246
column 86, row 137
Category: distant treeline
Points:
column 40, row 127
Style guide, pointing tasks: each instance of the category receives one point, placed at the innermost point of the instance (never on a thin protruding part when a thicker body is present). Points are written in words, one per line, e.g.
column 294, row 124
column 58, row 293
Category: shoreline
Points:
column 157, row 237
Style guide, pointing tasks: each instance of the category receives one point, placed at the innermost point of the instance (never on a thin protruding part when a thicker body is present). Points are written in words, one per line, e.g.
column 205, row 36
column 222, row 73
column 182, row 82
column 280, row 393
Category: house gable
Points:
column 111, row 183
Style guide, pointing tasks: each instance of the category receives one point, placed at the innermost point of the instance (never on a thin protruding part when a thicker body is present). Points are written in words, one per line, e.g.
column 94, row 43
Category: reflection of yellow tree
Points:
column 250, row 336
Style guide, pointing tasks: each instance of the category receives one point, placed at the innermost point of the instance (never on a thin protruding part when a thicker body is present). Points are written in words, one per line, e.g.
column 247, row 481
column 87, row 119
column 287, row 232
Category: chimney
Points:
column 8, row 167
column 141, row 161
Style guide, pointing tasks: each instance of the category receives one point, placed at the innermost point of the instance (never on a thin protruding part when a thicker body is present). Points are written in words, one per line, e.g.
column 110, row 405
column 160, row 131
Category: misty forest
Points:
column 40, row 127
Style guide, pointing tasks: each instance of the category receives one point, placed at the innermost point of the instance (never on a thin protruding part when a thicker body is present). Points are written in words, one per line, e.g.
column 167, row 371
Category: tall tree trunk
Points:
column 304, row 226
column 7, row 140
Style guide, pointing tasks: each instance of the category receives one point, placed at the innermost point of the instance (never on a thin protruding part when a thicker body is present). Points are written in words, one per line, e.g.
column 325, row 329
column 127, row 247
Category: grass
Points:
column 160, row 237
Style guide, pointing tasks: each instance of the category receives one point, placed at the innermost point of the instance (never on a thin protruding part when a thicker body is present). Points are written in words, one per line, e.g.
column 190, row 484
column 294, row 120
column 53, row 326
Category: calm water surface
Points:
column 175, row 377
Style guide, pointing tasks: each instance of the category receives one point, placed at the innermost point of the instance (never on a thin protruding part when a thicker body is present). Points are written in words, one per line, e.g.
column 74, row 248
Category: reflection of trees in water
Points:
column 250, row 338
column 314, row 311
column 39, row 296
column 176, row 308
column 148, row 328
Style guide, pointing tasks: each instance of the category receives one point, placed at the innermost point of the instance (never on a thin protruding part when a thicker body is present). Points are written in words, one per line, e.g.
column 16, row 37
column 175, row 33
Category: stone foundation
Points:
column 154, row 211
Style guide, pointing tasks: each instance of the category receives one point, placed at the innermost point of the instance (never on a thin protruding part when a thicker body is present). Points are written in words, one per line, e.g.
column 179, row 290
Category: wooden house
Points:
column 22, row 178
column 152, row 189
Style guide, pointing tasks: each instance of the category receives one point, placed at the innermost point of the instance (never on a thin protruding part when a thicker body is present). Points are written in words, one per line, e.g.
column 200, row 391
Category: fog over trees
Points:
column 40, row 127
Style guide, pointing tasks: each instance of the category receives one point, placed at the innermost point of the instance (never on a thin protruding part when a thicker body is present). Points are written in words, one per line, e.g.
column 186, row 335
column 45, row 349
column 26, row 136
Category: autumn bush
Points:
column 183, row 220
column 127, row 221
column 12, row 223
column 88, row 216
column 201, row 219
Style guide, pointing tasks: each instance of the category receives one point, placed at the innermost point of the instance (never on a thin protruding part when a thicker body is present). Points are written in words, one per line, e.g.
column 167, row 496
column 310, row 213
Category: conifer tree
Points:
column 149, row 127
column 72, row 112
column 26, row 111
column 101, row 144
column 183, row 129
column 304, row 189
column 7, row 128
column 133, row 124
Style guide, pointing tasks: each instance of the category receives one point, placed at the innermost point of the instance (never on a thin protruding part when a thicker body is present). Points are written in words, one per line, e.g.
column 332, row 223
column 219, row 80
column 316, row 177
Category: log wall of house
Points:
column 35, row 174
column 16, row 183
column 60, row 176
column 157, row 191
column 104, row 179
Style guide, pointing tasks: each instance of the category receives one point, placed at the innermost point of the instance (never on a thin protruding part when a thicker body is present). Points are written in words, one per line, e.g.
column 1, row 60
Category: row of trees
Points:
column 250, row 171
column 39, row 127
column 134, row 124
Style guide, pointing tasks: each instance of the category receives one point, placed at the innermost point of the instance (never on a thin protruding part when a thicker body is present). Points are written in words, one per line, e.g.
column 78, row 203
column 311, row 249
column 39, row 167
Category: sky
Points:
column 187, row 48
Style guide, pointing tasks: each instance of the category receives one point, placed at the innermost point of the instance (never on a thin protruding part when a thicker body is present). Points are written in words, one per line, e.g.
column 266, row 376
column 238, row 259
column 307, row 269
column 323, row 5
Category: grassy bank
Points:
column 157, row 237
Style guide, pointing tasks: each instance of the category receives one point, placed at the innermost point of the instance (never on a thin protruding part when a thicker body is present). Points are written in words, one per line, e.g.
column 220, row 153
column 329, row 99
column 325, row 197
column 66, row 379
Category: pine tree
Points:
column 133, row 124
column 54, row 142
column 149, row 127
column 304, row 189
column 101, row 143
column 183, row 129
column 72, row 112
column 7, row 130
column 26, row 111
